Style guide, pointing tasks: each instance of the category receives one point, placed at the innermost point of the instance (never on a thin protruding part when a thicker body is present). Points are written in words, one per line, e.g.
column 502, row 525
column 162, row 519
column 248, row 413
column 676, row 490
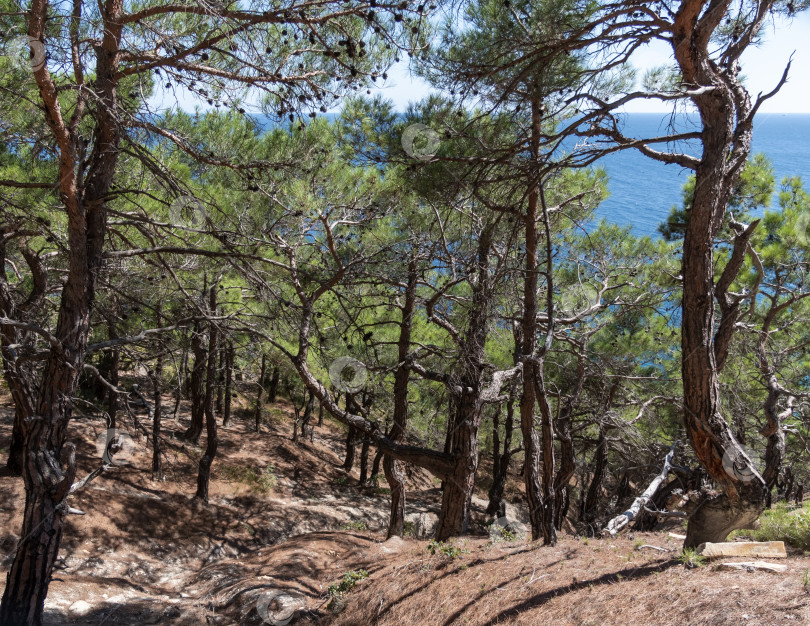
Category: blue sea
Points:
column 642, row 190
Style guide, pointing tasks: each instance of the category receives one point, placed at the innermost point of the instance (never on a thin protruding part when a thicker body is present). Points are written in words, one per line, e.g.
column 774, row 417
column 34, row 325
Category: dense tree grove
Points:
column 434, row 280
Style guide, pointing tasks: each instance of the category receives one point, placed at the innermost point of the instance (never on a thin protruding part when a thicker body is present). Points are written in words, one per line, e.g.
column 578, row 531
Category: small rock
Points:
column 424, row 524
column 394, row 544
column 80, row 607
column 511, row 526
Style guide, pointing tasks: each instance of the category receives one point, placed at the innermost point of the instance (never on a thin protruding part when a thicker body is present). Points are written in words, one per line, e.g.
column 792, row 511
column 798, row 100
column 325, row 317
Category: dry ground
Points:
column 147, row 553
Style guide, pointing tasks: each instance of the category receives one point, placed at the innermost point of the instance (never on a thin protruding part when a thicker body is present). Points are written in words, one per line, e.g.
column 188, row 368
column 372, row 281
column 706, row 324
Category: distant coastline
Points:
column 643, row 190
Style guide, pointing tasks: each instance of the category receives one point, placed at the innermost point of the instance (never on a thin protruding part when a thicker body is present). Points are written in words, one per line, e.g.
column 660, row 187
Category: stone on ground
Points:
column 754, row 565
column 759, row 549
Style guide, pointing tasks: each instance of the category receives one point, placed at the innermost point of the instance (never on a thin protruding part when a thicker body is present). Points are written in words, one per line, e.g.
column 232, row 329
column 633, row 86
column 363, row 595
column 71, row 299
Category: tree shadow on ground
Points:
column 133, row 611
column 452, row 571
column 541, row 598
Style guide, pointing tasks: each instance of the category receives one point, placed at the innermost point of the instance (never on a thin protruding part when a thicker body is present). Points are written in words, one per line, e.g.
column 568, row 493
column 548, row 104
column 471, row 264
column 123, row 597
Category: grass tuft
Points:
column 691, row 559
column 261, row 482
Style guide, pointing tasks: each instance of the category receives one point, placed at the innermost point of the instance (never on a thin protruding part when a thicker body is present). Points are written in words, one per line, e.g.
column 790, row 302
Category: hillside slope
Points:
column 285, row 523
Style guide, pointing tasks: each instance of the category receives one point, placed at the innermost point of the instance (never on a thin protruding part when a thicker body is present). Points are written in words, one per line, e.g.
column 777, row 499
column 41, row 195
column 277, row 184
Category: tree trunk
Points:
column 591, row 502
column 375, row 467
column 469, row 399
column 262, row 373
column 272, row 390
column 21, row 383
column 49, row 465
column 454, row 516
column 19, row 377
column 364, row 461
column 787, row 489
column 184, row 382
column 220, row 380
column 392, row 468
column 296, row 422
column 229, row 358
column 351, row 442
column 528, row 333
column 197, row 387
column 210, row 418
column 306, row 426
column 112, row 375
column 568, row 464
column 494, row 501
column 547, row 428
column 157, row 379
column 501, row 459
column 16, row 452
column 181, row 380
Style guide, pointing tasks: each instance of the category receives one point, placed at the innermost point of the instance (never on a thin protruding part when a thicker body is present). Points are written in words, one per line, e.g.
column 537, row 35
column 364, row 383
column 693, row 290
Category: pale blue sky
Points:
column 762, row 67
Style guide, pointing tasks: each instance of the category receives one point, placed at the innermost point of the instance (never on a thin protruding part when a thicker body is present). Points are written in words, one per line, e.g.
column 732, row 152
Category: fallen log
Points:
column 620, row 522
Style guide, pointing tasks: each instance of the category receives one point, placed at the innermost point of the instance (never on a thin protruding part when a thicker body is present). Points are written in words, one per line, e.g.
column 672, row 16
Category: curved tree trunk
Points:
column 726, row 115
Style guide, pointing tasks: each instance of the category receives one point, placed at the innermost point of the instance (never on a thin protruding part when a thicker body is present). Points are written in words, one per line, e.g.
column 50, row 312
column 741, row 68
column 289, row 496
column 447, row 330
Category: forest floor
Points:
column 285, row 522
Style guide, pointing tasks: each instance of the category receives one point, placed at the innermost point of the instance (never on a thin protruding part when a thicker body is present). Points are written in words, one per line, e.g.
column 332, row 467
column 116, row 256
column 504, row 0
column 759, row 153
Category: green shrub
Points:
column 498, row 533
column 784, row 523
column 355, row 525
column 447, row 549
column 267, row 481
column 260, row 482
column 338, row 590
column 691, row 558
